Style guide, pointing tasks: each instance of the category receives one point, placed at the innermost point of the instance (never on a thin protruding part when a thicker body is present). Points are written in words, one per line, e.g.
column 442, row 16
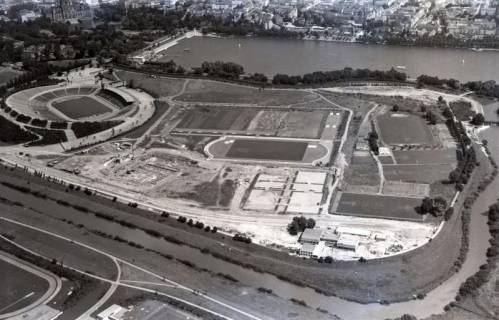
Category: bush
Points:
column 13, row 134
column 40, row 123
column 48, row 136
column 23, row 118
column 478, row 119
column 241, row 238
column 59, row 125
column 83, row 129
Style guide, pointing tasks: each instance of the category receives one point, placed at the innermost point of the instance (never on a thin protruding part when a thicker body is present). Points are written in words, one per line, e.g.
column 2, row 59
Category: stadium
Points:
column 75, row 115
column 72, row 103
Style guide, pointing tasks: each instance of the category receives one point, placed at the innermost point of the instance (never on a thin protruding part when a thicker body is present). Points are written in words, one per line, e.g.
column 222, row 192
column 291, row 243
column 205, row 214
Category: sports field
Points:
column 440, row 156
column 19, row 288
column 267, row 150
column 403, row 128
column 418, row 173
column 376, row 206
column 80, row 107
column 213, row 118
column 269, row 122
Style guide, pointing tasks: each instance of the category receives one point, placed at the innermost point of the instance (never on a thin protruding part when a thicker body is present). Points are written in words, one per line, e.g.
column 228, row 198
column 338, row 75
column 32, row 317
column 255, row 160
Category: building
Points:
column 349, row 242
column 311, row 236
column 28, row 15
column 70, row 9
column 114, row 312
column 307, row 249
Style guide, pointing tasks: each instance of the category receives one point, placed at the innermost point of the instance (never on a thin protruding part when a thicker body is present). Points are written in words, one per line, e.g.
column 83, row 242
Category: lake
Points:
column 271, row 56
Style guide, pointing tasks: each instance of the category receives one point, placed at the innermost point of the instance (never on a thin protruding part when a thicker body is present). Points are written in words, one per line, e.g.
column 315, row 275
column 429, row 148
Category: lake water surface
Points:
column 271, row 56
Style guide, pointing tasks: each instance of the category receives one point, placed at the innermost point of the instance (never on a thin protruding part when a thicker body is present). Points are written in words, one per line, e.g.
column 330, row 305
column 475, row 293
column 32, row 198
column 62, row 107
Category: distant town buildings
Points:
column 64, row 10
column 330, row 20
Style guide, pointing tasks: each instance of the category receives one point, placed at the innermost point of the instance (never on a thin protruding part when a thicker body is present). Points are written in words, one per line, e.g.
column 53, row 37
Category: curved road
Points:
column 54, row 282
column 118, row 282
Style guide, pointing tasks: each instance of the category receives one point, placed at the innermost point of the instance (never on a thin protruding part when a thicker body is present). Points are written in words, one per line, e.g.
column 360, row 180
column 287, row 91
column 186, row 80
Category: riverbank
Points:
column 281, row 56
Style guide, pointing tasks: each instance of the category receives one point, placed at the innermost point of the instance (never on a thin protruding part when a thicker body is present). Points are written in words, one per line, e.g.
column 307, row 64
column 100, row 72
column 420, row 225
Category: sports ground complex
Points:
column 248, row 160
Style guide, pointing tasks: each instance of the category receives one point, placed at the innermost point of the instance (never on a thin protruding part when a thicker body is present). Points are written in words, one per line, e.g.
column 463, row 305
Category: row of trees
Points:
column 347, row 74
column 219, row 69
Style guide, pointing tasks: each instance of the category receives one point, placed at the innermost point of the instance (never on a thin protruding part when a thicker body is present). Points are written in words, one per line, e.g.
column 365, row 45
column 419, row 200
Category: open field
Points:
column 259, row 121
column 439, row 156
column 80, row 107
column 267, row 150
column 406, row 189
column 362, row 171
column 210, row 91
column 158, row 87
column 418, row 173
column 19, row 287
column 401, row 128
column 213, row 118
column 462, row 110
column 375, row 206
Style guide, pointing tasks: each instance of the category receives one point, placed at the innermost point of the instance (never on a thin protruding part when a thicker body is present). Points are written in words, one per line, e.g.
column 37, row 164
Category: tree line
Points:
column 346, row 74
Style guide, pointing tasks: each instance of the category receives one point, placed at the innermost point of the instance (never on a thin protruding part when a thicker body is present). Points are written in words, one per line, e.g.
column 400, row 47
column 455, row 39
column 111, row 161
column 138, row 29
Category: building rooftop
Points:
column 311, row 235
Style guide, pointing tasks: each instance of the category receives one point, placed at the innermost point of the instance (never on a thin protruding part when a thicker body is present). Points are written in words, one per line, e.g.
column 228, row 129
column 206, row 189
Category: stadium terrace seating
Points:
column 33, row 102
column 72, row 91
column 87, row 90
column 113, row 97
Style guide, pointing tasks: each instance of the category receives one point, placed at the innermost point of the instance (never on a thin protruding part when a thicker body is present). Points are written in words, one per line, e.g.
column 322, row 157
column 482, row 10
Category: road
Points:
column 54, row 282
column 118, row 282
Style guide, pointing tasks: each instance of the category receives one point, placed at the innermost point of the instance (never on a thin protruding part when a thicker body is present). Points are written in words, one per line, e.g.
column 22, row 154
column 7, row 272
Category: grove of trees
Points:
column 299, row 224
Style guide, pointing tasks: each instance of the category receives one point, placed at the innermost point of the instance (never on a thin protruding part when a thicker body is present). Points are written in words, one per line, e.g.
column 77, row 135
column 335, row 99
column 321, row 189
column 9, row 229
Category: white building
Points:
column 114, row 312
column 349, row 242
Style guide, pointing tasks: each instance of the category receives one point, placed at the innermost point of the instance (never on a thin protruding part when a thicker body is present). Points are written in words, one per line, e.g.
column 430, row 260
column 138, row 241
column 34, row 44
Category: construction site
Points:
column 251, row 164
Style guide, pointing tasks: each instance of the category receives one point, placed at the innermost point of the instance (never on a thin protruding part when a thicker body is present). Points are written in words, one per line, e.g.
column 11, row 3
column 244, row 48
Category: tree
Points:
column 426, row 205
column 478, row 119
column 293, row 229
column 447, row 113
column 299, row 224
column 431, row 117
column 454, row 176
column 439, row 206
column 395, row 108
